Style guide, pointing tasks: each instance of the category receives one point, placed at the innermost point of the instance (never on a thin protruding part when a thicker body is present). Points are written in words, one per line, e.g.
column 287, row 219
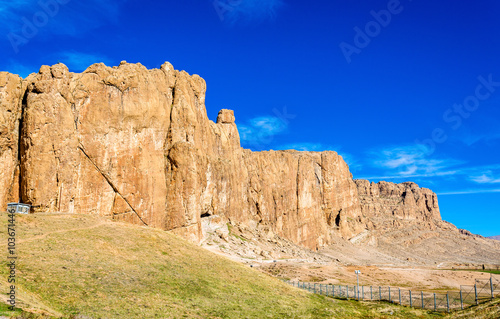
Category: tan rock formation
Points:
column 11, row 94
column 404, row 201
column 136, row 145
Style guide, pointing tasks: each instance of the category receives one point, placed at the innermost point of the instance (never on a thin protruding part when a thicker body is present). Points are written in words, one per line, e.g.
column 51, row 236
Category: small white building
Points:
column 18, row 208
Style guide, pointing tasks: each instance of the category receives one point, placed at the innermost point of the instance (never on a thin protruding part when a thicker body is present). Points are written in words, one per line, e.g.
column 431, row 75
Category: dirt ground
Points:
column 428, row 263
column 426, row 279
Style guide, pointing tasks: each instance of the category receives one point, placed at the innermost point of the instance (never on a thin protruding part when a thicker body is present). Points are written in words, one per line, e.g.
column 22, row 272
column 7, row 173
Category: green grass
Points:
column 73, row 265
column 490, row 271
column 5, row 311
column 230, row 229
column 488, row 310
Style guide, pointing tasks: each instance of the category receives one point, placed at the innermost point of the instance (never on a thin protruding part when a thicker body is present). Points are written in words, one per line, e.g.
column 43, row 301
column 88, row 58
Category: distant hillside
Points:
column 495, row 237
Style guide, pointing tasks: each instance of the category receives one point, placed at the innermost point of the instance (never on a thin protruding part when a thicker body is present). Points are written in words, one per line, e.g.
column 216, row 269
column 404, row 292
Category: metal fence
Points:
column 483, row 290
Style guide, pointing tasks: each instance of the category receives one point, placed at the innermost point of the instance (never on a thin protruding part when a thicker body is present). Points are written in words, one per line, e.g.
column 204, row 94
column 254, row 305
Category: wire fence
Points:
column 482, row 291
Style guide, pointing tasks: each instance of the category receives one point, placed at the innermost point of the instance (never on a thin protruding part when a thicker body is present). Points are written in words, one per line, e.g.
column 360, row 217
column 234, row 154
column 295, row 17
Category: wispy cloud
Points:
column 399, row 176
column 21, row 69
column 309, row 147
column 80, row 61
column 246, row 11
column 354, row 165
column 470, row 191
column 260, row 131
column 486, row 178
column 410, row 161
column 75, row 61
column 23, row 20
column 471, row 139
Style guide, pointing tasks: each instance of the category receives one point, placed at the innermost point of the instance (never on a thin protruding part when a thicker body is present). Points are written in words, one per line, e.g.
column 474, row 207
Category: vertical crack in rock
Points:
column 81, row 148
column 168, row 161
column 20, row 147
column 297, row 184
column 259, row 213
column 59, row 187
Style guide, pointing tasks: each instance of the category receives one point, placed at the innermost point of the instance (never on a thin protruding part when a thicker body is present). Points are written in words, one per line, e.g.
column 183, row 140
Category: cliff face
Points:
column 404, row 201
column 137, row 145
column 11, row 93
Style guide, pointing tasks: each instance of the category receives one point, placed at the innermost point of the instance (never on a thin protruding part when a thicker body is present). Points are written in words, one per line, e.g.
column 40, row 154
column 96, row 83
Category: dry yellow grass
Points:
column 84, row 265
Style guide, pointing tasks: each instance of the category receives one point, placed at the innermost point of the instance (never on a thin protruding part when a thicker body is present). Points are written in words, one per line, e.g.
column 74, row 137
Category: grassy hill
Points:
column 88, row 266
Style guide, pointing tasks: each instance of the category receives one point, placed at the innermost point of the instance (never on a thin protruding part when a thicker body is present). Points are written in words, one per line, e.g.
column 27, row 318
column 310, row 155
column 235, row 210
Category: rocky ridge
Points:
column 137, row 145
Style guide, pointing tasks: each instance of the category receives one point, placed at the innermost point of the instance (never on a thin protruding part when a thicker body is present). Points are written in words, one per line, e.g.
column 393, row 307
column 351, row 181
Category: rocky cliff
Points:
column 405, row 200
column 11, row 95
column 137, row 145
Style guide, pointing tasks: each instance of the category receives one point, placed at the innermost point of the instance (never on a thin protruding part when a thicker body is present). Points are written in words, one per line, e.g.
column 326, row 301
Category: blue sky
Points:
column 403, row 90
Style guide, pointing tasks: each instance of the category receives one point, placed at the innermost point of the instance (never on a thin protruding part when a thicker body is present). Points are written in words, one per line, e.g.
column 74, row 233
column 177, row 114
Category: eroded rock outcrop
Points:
column 11, row 94
column 136, row 145
column 405, row 200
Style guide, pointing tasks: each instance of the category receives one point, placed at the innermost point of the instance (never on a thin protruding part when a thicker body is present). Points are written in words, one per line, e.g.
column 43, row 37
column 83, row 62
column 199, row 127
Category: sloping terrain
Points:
column 402, row 253
column 73, row 264
column 92, row 267
column 81, row 266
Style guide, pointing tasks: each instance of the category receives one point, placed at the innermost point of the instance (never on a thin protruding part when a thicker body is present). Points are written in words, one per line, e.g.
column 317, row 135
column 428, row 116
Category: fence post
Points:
column 447, row 302
column 371, row 293
column 379, row 293
column 400, row 296
column 320, row 289
column 461, row 300
column 491, row 286
column 435, row 305
column 363, row 292
column 390, row 294
column 422, row 297
column 475, row 292
column 410, row 300
column 333, row 291
column 347, row 291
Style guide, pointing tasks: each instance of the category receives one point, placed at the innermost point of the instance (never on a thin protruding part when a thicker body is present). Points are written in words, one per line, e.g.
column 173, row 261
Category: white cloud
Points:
column 75, row 61
column 308, row 147
column 399, row 176
column 470, row 191
column 318, row 147
column 79, row 61
column 486, row 178
column 246, row 11
column 260, row 131
column 471, row 139
column 22, row 70
column 26, row 19
column 410, row 161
